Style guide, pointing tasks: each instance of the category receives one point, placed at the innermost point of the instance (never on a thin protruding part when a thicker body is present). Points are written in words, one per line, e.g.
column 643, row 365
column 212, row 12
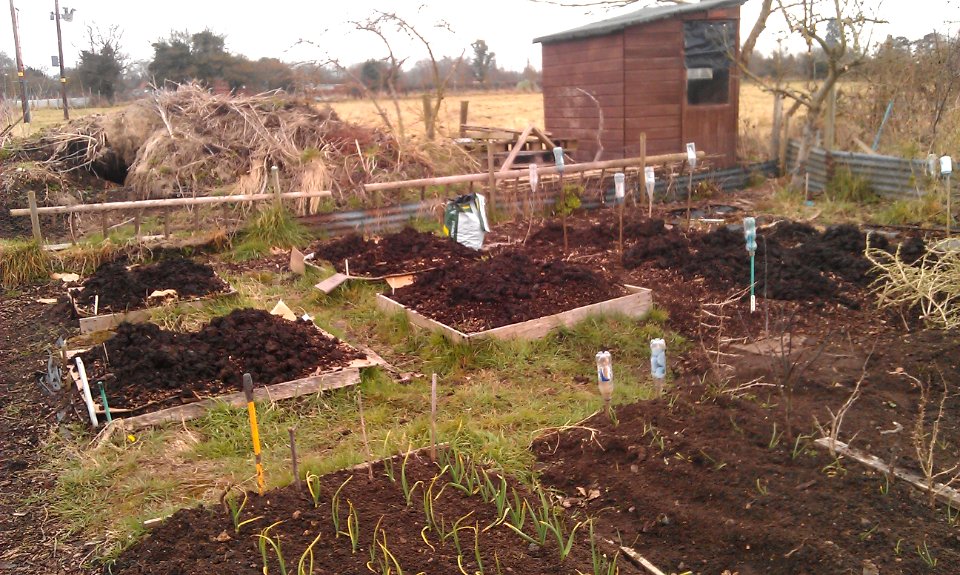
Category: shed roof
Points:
column 642, row 16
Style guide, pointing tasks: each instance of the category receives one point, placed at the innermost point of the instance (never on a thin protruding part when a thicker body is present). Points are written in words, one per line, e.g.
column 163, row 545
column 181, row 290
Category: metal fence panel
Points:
column 889, row 176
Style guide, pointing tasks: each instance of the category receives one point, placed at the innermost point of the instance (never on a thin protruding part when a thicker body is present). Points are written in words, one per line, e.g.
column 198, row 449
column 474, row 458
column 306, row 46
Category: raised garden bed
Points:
column 405, row 252
column 152, row 376
column 511, row 296
column 118, row 293
column 379, row 529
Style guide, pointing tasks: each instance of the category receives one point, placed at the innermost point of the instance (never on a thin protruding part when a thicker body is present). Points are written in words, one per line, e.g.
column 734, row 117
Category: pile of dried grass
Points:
column 190, row 142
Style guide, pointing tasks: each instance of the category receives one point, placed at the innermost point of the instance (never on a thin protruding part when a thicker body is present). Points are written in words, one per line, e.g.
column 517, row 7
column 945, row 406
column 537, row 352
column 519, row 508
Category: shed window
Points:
column 708, row 47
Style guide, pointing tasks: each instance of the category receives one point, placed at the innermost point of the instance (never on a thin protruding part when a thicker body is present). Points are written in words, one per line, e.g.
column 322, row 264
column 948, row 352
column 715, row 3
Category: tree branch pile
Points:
column 188, row 141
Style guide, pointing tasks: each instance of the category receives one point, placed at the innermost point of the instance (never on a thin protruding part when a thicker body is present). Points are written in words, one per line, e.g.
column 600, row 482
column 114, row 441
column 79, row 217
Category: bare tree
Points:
column 383, row 25
column 836, row 29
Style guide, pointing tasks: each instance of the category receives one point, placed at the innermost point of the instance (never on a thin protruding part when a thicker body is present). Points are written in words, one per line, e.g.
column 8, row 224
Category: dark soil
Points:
column 203, row 541
column 405, row 251
column 124, row 287
column 704, row 482
column 30, row 536
column 150, row 367
column 793, row 261
column 507, row 288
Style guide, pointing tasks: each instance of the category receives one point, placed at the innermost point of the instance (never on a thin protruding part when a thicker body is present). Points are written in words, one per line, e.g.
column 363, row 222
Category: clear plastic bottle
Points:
column 605, row 375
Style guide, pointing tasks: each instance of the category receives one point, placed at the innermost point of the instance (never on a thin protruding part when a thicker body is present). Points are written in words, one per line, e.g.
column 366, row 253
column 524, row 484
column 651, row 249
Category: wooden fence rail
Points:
column 491, row 177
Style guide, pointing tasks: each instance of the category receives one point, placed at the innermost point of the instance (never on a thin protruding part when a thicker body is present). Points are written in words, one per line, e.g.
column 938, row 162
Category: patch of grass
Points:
column 275, row 226
column 926, row 210
column 845, row 186
column 22, row 263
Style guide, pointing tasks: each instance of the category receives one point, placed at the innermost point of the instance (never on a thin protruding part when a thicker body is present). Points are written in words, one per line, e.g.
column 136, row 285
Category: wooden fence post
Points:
column 428, row 119
column 776, row 130
column 136, row 224
column 34, row 216
column 492, row 184
column 464, row 104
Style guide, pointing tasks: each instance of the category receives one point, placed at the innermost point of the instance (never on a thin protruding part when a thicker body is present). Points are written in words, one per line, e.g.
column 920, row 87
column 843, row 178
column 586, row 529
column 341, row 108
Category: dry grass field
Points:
column 511, row 110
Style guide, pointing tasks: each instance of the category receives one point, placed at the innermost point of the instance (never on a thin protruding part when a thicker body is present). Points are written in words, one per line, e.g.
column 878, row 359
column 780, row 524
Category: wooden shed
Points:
column 668, row 71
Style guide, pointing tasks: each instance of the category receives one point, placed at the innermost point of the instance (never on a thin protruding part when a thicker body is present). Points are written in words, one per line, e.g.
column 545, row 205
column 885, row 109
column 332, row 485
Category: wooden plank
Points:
column 143, row 204
column 633, row 123
column 387, row 305
column 521, row 142
column 943, row 493
column 635, row 107
column 92, row 323
column 633, row 64
column 635, row 304
column 332, row 282
column 640, row 560
column 313, row 384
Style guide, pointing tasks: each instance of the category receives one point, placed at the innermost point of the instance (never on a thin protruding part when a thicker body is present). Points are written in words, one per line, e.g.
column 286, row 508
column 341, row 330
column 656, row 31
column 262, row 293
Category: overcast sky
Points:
column 272, row 29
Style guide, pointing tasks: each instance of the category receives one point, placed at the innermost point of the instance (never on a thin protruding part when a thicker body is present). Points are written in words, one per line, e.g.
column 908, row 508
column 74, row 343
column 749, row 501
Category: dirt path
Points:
column 30, row 541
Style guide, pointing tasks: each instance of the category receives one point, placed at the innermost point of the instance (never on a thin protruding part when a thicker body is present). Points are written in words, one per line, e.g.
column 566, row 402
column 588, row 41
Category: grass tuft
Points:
column 22, row 263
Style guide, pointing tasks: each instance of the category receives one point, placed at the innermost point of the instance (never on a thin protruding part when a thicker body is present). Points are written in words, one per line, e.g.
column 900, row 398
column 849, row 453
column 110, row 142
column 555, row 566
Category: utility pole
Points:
column 63, row 78
column 23, row 80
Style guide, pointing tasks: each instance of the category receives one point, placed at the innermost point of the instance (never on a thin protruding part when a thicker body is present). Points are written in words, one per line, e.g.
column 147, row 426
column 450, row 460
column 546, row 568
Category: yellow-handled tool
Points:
column 254, row 430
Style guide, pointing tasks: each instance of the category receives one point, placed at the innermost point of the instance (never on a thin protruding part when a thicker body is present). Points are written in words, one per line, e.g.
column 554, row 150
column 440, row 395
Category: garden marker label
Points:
column 558, row 158
column 618, row 181
column 534, row 177
column 750, row 235
column 692, row 155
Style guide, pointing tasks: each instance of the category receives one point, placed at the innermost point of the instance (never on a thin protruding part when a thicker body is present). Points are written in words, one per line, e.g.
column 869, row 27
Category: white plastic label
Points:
column 946, row 165
column 558, row 158
column 534, row 177
column 692, row 155
column 618, row 182
column 651, row 181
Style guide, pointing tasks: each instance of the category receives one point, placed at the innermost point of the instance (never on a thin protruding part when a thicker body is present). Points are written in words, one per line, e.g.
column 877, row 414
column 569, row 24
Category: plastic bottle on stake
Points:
column 605, row 376
column 534, row 177
column 558, row 158
column 946, row 168
column 650, row 179
column 658, row 362
column 750, row 235
column 619, row 181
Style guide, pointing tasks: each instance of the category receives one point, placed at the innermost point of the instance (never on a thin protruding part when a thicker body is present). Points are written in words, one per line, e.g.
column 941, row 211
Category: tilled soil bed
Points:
column 712, row 482
column 405, row 251
column 505, row 289
column 146, row 368
column 204, row 540
column 121, row 286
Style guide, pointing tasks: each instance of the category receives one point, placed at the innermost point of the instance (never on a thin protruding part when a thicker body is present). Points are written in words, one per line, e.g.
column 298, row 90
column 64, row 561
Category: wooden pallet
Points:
column 636, row 304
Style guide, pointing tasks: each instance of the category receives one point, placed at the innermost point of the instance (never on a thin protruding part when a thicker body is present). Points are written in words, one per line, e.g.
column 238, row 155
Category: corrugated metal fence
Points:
column 374, row 220
column 889, row 176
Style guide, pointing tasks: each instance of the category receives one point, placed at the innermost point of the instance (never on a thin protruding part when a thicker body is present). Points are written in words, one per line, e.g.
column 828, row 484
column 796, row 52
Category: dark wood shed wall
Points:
column 595, row 65
column 650, row 95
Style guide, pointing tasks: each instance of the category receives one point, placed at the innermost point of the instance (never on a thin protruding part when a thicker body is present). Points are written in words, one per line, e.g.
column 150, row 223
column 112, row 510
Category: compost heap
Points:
column 505, row 289
column 793, row 261
column 187, row 140
column 144, row 361
column 405, row 251
column 120, row 287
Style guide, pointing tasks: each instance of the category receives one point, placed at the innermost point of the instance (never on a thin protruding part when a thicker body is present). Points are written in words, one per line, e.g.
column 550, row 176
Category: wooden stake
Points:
column 428, row 117
column 602, row 191
column 622, row 200
column 254, row 429
column 464, row 105
column 105, row 224
column 34, row 215
column 642, row 174
column 136, row 224
column 492, row 183
column 689, row 196
column 166, row 223
column 563, row 213
column 363, row 433
column 640, row 560
column 433, row 418
column 293, row 458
